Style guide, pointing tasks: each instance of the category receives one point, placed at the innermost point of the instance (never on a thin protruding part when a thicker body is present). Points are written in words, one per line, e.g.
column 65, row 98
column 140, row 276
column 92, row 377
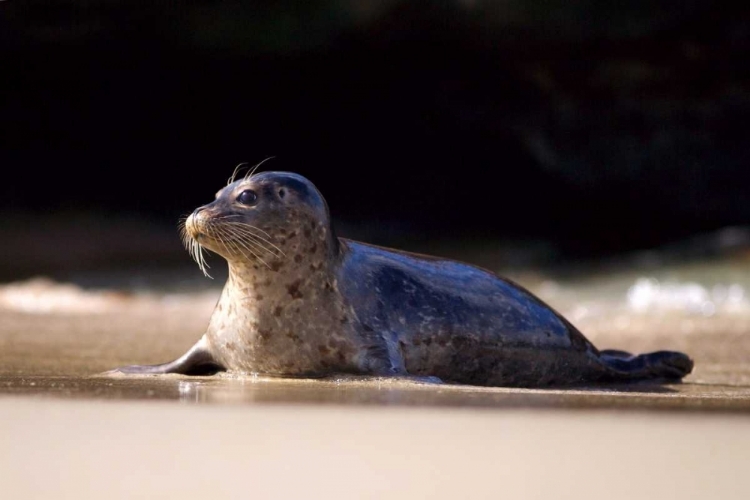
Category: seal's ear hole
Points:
column 282, row 193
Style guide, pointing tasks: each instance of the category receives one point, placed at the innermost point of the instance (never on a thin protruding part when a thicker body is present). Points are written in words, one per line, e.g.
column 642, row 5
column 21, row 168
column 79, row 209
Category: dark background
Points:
column 600, row 128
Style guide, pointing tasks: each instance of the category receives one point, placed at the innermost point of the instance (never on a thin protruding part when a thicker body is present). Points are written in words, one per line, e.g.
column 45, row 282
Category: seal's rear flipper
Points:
column 197, row 361
column 660, row 364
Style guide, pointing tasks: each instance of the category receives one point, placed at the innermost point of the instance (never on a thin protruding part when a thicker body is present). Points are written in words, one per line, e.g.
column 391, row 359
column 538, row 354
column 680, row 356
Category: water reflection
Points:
column 357, row 391
column 649, row 294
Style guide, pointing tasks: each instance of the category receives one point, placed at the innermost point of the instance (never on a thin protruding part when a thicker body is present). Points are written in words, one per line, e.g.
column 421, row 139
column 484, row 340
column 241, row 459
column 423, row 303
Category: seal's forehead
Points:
column 268, row 183
column 289, row 180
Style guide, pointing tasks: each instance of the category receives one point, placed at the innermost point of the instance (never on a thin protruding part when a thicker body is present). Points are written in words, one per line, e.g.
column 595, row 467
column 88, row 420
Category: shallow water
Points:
column 380, row 392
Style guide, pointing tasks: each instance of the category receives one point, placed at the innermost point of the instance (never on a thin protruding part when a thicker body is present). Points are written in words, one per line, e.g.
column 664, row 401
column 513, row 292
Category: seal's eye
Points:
column 248, row 197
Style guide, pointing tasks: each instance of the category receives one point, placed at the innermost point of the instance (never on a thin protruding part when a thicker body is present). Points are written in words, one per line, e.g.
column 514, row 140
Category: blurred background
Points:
column 552, row 131
column 596, row 152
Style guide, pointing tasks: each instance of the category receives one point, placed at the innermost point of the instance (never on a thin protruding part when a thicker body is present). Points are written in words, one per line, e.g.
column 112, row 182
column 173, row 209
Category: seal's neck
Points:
column 246, row 276
column 302, row 271
column 295, row 260
column 266, row 313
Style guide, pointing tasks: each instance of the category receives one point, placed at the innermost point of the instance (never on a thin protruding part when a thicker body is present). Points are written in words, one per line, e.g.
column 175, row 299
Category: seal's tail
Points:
column 661, row 364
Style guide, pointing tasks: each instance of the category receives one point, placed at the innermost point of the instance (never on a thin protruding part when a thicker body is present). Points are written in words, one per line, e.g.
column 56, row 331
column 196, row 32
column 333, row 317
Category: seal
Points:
column 300, row 302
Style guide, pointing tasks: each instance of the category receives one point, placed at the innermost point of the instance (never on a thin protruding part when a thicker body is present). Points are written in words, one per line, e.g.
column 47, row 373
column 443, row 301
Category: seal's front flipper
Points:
column 654, row 365
column 197, row 361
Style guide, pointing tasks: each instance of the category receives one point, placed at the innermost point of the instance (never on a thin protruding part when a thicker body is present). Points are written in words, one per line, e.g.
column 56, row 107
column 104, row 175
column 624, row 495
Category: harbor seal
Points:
column 300, row 302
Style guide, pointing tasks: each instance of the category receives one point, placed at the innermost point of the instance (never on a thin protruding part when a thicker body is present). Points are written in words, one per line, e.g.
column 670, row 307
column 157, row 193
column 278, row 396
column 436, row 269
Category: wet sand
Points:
column 70, row 433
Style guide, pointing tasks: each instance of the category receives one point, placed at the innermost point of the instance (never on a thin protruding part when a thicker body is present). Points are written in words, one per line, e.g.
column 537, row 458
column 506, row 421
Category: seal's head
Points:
column 268, row 220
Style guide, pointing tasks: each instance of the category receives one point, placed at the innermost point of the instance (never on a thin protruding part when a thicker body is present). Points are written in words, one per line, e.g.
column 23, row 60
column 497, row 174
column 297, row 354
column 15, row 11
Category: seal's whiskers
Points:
column 236, row 170
column 258, row 240
column 223, row 242
column 232, row 216
column 252, row 171
column 249, row 232
column 237, row 243
column 194, row 248
column 200, row 259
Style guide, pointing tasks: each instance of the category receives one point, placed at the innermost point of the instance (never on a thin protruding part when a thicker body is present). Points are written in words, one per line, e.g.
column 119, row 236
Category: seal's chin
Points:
column 196, row 239
column 209, row 243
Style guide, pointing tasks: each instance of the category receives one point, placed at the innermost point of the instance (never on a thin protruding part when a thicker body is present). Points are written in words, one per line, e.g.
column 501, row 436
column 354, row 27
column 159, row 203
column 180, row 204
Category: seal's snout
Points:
column 196, row 222
column 190, row 225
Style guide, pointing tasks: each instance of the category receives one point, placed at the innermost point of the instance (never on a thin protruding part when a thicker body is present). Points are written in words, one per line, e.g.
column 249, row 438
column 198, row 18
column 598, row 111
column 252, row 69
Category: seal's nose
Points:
column 199, row 213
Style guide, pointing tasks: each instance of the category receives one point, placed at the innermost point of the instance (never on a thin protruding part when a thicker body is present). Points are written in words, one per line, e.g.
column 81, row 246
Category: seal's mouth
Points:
column 191, row 237
column 192, row 227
